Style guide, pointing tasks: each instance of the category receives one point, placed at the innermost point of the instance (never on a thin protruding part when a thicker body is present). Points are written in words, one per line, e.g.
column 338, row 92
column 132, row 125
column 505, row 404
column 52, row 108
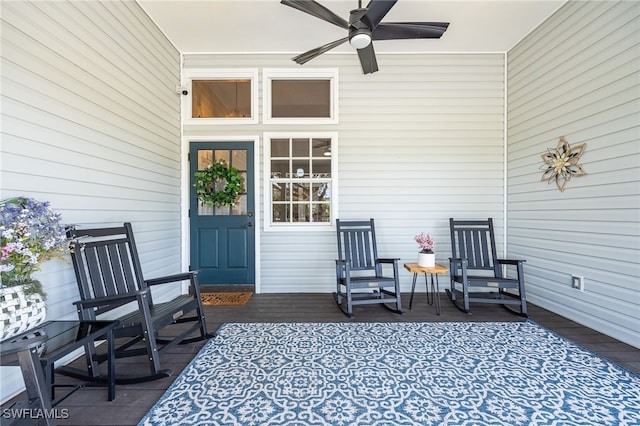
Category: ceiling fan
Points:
column 364, row 26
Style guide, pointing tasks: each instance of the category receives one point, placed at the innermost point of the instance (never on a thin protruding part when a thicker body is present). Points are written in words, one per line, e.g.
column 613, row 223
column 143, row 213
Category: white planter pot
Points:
column 426, row 260
column 19, row 312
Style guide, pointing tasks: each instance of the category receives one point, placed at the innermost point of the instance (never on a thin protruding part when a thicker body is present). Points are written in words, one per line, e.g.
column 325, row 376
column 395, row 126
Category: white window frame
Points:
column 269, row 74
column 268, row 211
column 219, row 74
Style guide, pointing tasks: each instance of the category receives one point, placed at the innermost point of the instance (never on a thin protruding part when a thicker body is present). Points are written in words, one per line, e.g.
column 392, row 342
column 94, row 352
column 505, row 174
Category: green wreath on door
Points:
column 215, row 175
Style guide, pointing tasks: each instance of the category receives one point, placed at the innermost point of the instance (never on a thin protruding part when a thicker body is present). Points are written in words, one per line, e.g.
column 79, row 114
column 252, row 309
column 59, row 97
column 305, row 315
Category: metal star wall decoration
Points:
column 562, row 163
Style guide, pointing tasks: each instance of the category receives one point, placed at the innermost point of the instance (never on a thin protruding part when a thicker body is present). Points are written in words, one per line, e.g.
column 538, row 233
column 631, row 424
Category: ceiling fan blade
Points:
column 305, row 57
column 316, row 9
column 368, row 59
column 409, row 30
column 376, row 10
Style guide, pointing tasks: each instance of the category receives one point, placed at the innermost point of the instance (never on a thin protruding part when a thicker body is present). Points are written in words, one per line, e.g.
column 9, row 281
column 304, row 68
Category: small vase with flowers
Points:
column 426, row 257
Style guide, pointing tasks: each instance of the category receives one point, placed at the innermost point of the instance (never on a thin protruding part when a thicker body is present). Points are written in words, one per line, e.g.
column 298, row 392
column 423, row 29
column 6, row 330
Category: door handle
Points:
column 249, row 224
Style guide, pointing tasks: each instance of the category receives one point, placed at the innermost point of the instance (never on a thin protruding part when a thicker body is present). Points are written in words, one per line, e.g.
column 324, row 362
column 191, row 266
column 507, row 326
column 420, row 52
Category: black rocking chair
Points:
column 474, row 264
column 359, row 268
column 109, row 276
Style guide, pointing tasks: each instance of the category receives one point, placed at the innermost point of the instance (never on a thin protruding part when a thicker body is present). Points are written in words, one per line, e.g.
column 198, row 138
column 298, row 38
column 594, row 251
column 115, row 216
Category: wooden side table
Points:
column 415, row 269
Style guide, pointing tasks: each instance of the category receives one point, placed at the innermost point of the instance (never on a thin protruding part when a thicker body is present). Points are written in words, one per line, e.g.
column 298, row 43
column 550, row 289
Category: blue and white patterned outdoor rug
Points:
column 514, row 373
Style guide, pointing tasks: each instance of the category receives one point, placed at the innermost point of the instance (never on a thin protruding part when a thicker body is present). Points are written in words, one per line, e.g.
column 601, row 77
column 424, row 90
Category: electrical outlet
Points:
column 577, row 282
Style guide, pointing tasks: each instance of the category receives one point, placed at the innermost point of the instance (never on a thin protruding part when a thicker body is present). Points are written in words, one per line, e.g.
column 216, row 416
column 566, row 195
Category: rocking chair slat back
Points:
column 475, row 244
column 110, row 268
column 358, row 240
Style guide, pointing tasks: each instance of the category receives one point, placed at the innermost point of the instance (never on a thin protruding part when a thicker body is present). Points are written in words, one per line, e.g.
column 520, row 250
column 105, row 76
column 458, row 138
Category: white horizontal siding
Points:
column 420, row 141
column 91, row 122
column 578, row 76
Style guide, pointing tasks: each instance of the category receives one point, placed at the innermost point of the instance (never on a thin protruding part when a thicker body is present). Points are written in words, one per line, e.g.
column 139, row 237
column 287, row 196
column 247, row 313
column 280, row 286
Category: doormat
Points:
column 228, row 298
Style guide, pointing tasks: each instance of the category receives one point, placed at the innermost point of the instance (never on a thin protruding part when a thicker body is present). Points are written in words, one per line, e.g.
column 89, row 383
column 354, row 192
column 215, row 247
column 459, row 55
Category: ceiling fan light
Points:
column 360, row 40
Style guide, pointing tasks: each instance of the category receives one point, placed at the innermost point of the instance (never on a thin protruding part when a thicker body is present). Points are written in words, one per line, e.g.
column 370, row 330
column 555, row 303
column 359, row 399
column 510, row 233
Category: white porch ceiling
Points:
column 266, row 26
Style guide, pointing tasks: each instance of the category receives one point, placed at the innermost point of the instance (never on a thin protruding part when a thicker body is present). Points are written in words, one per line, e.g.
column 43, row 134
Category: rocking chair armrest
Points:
column 342, row 267
column 458, row 266
column 184, row 276
column 510, row 261
column 387, row 260
column 115, row 300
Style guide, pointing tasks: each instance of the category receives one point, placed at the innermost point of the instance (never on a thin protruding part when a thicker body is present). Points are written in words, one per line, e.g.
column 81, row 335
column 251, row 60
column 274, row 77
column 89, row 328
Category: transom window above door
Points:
column 300, row 174
column 300, row 96
column 220, row 96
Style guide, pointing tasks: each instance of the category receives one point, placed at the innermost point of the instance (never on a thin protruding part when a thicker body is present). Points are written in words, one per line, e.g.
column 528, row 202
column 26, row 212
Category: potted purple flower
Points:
column 426, row 257
column 31, row 234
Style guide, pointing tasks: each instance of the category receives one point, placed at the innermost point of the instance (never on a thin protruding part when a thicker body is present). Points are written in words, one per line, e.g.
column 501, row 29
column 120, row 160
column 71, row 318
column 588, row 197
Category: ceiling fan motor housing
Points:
column 359, row 31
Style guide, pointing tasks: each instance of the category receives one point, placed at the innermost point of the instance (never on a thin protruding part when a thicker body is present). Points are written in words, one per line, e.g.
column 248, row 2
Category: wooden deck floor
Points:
column 89, row 406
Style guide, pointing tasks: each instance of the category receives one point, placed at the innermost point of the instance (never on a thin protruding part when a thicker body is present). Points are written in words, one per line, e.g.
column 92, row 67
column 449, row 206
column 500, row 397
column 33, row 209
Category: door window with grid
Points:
column 233, row 158
column 301, row 177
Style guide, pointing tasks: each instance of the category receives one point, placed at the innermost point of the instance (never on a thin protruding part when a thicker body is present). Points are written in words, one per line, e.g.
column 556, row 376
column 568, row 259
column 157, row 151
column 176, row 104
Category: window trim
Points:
column 220, row 74
column 269, row 226
column 269, row 74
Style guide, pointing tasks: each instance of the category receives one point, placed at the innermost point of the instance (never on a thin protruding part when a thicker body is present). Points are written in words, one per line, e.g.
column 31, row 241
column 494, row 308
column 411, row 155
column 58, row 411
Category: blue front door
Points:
column 223, row 238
